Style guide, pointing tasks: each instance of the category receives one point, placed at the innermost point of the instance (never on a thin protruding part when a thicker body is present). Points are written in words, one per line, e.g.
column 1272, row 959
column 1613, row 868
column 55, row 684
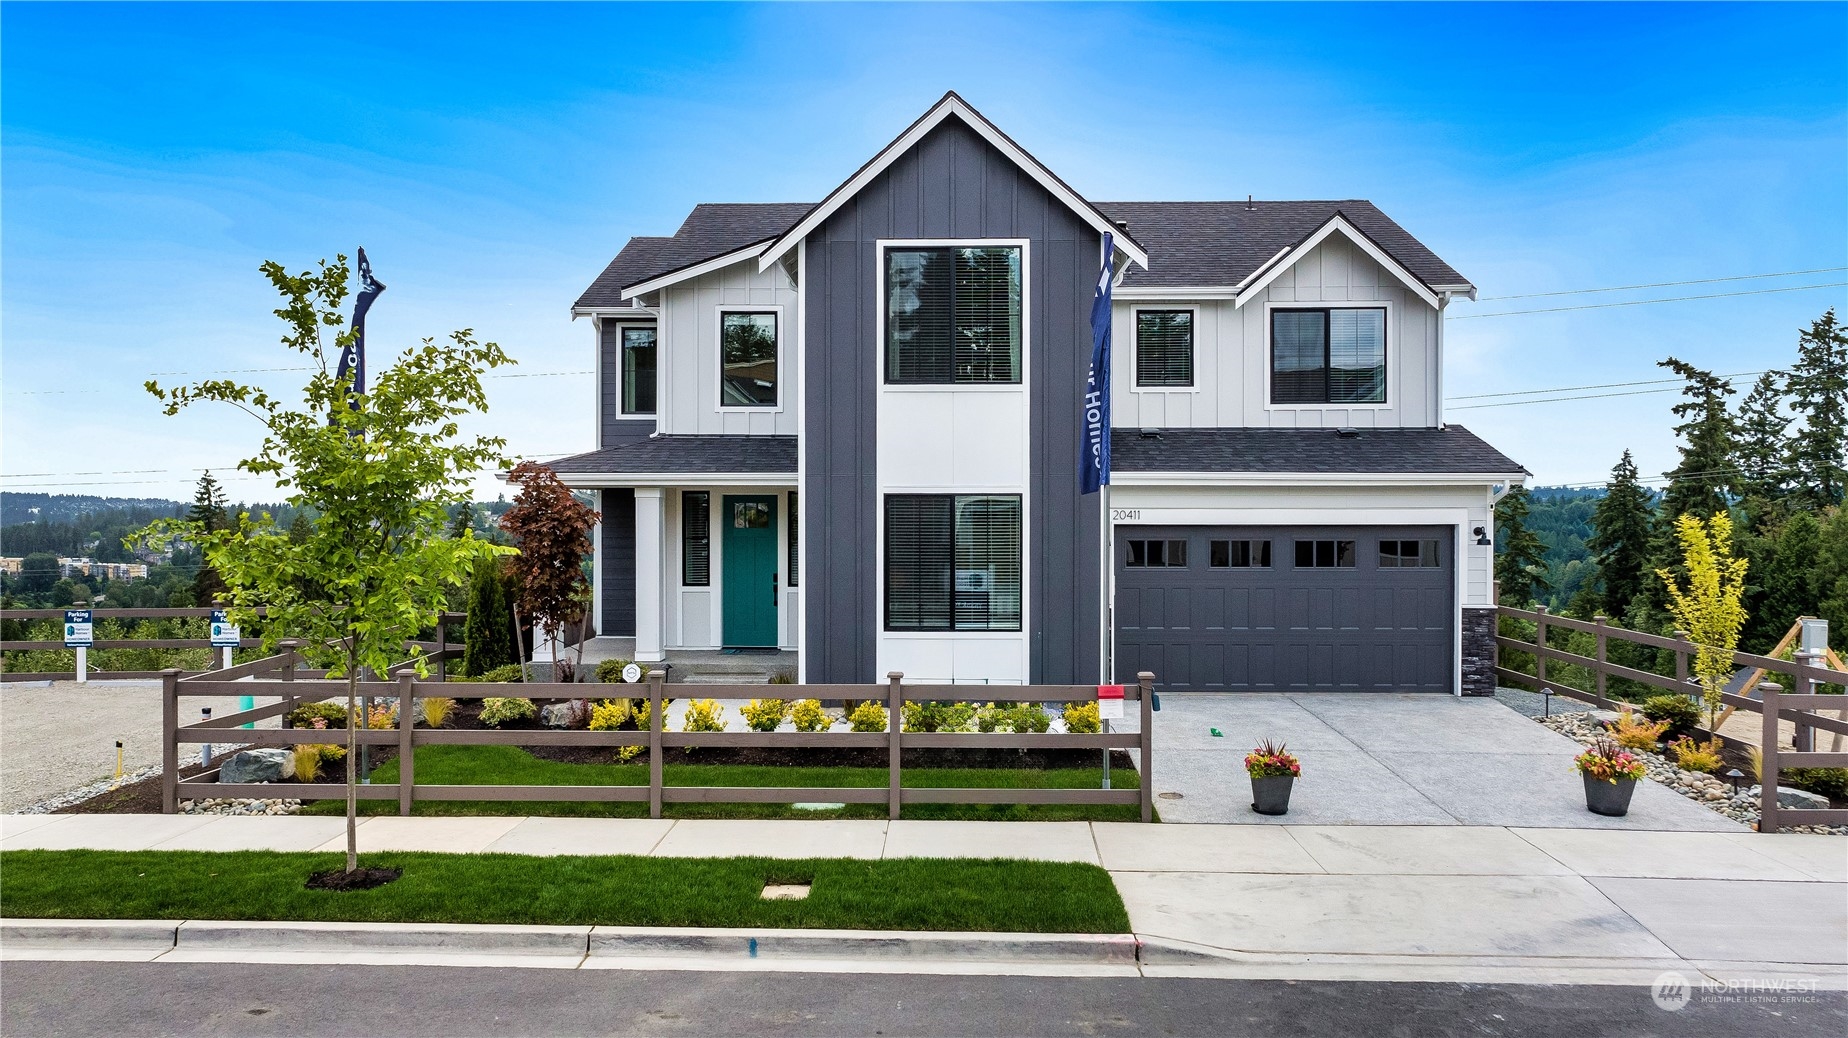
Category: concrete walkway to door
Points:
column 1390, row 759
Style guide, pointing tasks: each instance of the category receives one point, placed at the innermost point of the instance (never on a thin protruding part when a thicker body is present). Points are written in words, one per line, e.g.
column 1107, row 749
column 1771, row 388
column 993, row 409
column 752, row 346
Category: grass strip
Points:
column 897, row 894
column 514, row 766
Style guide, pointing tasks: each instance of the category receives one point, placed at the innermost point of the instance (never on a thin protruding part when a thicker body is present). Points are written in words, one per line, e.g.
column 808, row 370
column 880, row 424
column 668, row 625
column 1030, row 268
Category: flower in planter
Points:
column 1272, row 760
column 1608, row 762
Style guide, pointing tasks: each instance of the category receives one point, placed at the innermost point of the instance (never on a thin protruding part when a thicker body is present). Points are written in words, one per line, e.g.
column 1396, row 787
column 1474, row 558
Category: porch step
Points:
column 714, row 677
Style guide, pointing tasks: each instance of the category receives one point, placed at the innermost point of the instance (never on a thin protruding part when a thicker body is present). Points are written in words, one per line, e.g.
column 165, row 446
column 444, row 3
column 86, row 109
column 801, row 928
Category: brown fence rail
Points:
column 1802, row 707
column 407, row 689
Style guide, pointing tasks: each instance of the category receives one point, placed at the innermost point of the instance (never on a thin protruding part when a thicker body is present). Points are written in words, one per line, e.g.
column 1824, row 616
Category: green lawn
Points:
column 511, row 765
column 899, row 894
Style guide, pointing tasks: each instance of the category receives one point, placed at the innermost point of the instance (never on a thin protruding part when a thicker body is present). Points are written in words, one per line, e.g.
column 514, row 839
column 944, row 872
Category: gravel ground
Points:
column 40, row 758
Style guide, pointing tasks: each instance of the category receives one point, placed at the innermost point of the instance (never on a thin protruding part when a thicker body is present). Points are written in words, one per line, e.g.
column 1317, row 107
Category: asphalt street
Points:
column 149, row 999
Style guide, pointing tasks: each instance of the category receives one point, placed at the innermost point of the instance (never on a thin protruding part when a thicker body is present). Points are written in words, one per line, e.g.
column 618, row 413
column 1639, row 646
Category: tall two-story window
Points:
column 747, row 359
column 953, row 315
column 1334, row 356
column 952, row 562
column 638, row 371
column 1164, row 348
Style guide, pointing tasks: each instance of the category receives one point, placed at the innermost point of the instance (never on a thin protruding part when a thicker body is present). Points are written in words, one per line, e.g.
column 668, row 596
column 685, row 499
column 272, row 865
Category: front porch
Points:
column 701, row 666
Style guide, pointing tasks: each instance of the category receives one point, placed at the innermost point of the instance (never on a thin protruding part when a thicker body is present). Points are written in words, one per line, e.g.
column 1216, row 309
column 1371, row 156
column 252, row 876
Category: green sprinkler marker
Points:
column 1217, row 734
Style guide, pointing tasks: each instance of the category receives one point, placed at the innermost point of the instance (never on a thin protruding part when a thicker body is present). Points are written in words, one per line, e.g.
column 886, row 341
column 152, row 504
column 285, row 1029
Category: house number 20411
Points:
column 1119, row 515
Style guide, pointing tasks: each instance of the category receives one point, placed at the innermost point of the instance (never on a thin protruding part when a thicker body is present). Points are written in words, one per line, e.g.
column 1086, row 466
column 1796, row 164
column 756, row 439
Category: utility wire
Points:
column 1574, row 389
column 1642, row 302
column 1663, row 284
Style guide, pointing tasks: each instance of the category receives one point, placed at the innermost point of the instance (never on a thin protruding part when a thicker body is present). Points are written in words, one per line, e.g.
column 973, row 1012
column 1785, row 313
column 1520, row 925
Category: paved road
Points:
column 113, row 999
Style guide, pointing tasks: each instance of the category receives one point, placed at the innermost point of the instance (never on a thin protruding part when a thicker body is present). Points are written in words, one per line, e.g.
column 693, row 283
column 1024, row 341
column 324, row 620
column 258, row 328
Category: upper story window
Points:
column 1164, row 348
column 747, row 359
column 638, row 371
column 1328, row 356
column 953, row 315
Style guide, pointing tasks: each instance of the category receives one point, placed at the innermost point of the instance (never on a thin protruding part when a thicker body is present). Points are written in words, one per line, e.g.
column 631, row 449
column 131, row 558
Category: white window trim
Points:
column 1392, row 367
column 718, row 356
column 1135, row 347
column 620, row 414
column 1025, row 245
column 974, row 491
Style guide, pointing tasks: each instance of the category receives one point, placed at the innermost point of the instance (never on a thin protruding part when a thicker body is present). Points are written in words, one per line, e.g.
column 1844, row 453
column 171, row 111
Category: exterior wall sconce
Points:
column 1482, row 536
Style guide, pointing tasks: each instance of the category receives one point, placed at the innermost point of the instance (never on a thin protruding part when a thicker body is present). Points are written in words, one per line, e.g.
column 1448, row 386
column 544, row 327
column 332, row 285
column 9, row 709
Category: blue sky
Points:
column 492, row 158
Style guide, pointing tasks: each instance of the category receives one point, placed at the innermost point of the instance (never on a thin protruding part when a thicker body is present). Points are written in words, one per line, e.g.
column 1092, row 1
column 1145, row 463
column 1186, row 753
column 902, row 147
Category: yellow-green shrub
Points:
column 1082, row 719
column 1634, row 733
column 499, row 711
column 867, row 717
column 610, row 715
column 307, row 762
column 625, row 754
column 764, row 715
column 1696, row 756
column 939, row 717
column 436, row 710
column 809, row 716
column 704, row 715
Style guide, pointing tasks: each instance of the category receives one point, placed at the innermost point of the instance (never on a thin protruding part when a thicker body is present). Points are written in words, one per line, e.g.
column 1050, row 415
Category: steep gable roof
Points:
column 711, row 229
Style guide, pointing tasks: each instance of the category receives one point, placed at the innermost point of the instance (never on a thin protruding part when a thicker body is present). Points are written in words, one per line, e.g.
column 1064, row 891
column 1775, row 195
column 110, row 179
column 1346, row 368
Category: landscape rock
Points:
column 1796, row 799
column 270, row 764
column 573, row 713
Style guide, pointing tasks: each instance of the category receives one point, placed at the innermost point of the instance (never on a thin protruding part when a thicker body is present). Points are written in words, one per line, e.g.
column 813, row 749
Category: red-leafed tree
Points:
column 552, row 530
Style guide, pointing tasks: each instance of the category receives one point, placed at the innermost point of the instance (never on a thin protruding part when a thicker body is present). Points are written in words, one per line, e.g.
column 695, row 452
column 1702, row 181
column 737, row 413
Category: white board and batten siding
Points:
column 689, row 353
column 1232, row 352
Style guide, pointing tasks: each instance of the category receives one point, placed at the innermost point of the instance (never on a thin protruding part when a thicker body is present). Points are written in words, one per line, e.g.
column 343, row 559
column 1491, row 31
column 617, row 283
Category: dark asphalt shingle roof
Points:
column 1384, row 451
column 691, row 454
column 1196, row 244
column 711, row 229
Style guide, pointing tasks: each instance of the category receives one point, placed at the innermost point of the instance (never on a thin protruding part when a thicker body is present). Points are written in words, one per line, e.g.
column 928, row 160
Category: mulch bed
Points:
column 132, row 798
column 358, row 879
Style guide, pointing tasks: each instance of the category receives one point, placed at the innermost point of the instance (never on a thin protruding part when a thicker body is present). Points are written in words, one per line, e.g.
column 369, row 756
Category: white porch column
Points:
column 650, row 549
column 596, row 568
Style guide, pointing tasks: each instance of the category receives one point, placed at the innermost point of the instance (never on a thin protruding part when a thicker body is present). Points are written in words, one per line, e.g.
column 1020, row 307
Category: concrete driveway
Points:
column 1389, row 759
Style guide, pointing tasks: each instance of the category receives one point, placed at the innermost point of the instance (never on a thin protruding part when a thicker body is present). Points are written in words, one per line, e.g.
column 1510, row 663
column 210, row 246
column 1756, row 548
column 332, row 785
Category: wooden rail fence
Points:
column 407, row 737
column 1802, row 706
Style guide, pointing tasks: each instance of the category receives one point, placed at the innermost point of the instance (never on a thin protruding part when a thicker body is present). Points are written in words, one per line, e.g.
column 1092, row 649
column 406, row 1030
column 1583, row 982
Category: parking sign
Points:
column 78, row 629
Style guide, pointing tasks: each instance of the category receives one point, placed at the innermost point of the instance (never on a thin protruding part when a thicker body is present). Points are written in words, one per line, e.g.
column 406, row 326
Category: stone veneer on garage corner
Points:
column 1478, row 652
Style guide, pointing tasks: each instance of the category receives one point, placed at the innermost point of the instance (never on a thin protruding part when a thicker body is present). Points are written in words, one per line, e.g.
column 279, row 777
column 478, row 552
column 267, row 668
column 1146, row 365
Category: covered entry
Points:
column 1263, row 609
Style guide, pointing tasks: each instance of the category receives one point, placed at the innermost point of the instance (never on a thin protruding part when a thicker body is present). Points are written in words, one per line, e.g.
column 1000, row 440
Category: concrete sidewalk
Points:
column 1467, row 903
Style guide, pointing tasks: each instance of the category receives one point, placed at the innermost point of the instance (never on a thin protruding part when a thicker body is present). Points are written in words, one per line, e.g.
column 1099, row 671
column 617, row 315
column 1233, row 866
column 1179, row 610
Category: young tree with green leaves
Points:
column 1520, row 554
column 1819, row 392
column 1710, row 605
column 1623, row 528
column 376, row 469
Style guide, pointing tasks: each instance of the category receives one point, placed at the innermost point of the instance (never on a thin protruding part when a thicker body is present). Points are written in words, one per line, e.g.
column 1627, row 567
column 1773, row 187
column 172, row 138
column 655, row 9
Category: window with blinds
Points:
column 953, row 315
column 1164, row 348
column 795, row 557
column 1328, row 356
column 952, row 562
column 695, row 538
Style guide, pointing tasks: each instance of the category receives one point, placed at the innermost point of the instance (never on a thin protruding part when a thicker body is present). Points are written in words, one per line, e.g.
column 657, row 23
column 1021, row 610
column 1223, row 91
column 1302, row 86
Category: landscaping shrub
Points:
column 382, row 716
column 503, row 674
column 307, row 762
column 867, row 717
column 1028, row 718
column 1635, row 733
column 643, row 722
column 809, row 716
column 939, row 717
column 1681, row 713
column 610, row 671
column 305, row 715
column 625, row 754
column 1082, row 719
column 487, row 634
column 610, row 715
column 1696, row 756
column 765, row 715
column 1828, row 782
column 783, row 677
column 501, row 710
column 436, row 710
column 990, row 718
column 704, row 715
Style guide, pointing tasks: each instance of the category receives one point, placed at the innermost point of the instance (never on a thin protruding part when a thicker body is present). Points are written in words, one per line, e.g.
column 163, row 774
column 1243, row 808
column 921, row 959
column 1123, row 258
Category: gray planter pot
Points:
column 1608, row 798
column 1271, row 796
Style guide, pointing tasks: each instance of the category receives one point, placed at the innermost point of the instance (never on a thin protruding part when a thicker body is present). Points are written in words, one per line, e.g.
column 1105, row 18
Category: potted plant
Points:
column 1611, row 773
column 1272, row 769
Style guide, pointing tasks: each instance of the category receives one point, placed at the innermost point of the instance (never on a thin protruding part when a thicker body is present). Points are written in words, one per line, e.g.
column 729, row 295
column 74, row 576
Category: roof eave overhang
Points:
column 1342, row 479
column 614, row 311
column 693, row 270
column 1335, row 224
column 598, row 480
column 956, row 106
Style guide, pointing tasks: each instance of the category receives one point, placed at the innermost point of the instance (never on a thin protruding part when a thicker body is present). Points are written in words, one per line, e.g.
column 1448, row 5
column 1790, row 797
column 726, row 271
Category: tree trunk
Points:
column 352, row 757
column 519, row 643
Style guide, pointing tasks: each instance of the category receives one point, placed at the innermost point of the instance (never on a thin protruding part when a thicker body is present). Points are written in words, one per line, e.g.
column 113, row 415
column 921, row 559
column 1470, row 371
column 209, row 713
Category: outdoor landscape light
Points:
column 1547, row 708
column 1735, row 776
column 1482, row 536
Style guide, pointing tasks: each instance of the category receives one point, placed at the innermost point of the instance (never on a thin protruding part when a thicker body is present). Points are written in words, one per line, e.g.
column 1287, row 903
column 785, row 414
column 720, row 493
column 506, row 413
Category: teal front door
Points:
column 749, row 547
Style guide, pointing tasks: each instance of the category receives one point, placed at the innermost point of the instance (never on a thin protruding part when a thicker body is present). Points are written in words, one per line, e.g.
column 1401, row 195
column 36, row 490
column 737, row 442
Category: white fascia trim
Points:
column 688, row 273
column 951, row 105
column 1338, row 223
column 598, row 480
column 1465, row 289
column 638, row 312
column 1158, row 292
column 1307, row 479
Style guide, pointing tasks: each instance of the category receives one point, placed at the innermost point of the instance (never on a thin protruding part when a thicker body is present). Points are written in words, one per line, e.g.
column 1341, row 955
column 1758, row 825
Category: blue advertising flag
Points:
column 353, row 358
column 1094, row 452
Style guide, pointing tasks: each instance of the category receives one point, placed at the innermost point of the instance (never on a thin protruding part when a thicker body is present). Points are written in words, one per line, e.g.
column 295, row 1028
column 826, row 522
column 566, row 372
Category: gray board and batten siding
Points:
column 618, row 552
column 951, row 185
column 615, row 428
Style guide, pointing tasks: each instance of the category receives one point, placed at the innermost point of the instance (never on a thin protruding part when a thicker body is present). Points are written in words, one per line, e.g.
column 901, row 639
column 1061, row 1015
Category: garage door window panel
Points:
column 1144, row 553
column 1419, row 554
column 1239, row 555
column 1325, row 554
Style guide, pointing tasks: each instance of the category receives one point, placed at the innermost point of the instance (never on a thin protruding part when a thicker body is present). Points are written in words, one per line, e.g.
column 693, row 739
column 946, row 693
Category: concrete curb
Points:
column 886, row 945
column 151, row 935
column 403, row 938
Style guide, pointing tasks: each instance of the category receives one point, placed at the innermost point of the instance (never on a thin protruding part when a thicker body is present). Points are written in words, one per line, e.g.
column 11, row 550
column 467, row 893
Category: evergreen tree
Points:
column 1832, row 574
column 299, row 530
column 209, row 512
column 1819, row 391
column 1762, row 454
column 488, row 632
column 1699, row 484
column 1789, row 585
column 1621, row 541
column 1520, row 558
column 463, row 522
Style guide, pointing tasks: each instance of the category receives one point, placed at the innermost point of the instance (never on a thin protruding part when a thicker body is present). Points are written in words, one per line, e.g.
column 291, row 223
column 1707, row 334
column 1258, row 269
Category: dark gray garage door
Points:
column 1245, row 608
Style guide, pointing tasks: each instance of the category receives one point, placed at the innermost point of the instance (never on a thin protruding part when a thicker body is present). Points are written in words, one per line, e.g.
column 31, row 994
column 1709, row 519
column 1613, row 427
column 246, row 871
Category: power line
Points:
column 1642, row 302
column 1573, row 389
column 1564, row 399
column 1664, row 284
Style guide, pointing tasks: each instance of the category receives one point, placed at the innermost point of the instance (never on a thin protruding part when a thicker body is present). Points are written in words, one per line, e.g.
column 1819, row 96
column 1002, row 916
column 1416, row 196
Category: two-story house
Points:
column 852, row 429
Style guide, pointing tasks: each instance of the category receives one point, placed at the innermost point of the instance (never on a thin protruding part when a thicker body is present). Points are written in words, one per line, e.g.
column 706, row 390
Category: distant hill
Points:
column 64, row 508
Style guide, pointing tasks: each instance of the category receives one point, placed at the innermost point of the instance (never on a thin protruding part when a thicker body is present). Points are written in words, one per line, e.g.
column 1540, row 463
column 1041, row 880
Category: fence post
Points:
column 407, row 726
column 1145, row 682
column 895, row 714
column 442, row 648
column 1681, row 658
column 655, row 723
column 1540, row 644
column 170, row 741
column 289, row 646
column 1767, row 759
column 1601, row 620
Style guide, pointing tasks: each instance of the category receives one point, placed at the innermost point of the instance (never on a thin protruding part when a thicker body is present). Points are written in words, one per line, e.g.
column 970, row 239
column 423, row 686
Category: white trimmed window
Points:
column 1328, row 356
column 953, row 315
column 1164, row 349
